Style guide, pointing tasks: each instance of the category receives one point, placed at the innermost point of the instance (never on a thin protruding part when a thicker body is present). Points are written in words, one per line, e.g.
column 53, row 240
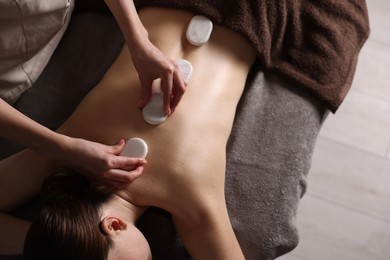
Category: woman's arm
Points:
column 13, row 232
column 97, row 161
column 21, row 176
column 148, row 60
column 210, row 237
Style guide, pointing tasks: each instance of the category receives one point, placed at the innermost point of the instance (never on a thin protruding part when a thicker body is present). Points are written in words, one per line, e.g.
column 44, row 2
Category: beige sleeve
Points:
column 29, row 33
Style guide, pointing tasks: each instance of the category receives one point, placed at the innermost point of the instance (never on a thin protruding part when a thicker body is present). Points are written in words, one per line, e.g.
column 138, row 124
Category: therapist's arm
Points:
column 96, row 161
column 149, row 62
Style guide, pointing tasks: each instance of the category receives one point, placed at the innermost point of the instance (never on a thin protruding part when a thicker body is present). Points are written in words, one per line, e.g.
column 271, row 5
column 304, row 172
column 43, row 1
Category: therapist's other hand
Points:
column 101, row 163
column 152, row 64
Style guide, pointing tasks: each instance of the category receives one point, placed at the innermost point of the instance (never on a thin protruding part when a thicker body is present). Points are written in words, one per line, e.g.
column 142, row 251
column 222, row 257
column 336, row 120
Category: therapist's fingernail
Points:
column 143, row 161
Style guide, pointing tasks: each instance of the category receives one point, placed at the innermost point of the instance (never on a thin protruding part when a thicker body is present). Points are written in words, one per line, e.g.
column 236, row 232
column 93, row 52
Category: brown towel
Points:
column 314, row 43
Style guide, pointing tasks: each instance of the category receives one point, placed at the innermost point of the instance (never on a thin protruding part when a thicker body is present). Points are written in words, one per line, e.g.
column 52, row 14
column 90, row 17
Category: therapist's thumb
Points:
column 117, row 148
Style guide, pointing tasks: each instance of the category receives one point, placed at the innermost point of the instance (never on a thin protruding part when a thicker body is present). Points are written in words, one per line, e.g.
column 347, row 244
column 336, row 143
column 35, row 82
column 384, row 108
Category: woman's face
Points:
column 130, row 244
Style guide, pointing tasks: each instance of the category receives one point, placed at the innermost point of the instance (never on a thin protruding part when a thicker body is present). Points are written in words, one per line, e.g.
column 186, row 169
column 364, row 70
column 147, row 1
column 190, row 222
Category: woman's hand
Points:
column 152, row 64
column 100, row 163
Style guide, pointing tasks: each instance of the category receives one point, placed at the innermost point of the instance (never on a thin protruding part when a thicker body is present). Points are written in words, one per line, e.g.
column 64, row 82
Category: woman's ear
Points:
column 111, row 225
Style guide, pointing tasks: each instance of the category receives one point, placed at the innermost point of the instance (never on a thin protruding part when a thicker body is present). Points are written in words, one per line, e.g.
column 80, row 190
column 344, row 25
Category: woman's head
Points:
column 71, row 225
column 68, row 224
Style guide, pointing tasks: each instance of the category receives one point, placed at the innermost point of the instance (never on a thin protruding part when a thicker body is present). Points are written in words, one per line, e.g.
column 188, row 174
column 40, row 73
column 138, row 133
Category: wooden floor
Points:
column 345, row 214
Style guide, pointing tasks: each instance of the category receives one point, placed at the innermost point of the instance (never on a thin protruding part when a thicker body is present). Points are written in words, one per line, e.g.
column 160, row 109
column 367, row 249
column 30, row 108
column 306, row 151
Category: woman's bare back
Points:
column 186, row 159
column 188, row 149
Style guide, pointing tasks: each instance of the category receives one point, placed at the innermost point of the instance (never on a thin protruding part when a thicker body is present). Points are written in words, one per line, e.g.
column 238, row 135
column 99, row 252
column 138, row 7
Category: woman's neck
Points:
column 120, row 207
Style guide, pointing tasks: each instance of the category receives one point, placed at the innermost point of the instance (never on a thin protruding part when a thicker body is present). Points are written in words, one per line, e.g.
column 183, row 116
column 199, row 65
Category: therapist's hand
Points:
column 100, row 163
column 149, row 62
column 152, row 64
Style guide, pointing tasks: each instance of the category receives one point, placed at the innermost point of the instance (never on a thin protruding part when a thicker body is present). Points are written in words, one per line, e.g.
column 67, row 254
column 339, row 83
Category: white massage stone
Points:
column 199, row 30
column 186, row 68
column 153, row 112
column 135, row 147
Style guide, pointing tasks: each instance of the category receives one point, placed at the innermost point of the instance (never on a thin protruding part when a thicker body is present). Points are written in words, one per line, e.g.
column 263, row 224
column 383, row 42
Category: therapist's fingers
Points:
column 179, row 87
column 117, row 148
column 166, row 87
column 119, row 179
column 146, row 91
column 122, row 168
column 126, row 163
column 116, row 161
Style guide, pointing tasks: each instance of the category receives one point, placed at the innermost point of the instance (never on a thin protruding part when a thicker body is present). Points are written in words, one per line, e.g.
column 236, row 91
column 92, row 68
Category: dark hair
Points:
column 68, row 226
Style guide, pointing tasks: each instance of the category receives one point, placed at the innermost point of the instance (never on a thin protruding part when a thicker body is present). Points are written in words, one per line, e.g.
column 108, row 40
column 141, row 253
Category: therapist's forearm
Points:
column 19, row 128
column 127, row 17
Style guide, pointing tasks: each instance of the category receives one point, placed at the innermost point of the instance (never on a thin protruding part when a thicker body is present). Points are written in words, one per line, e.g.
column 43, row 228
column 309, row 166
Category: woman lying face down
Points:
column 185, row 168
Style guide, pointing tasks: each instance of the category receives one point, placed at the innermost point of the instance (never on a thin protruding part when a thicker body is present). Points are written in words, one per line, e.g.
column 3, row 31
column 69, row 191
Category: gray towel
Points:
column 268, row 154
